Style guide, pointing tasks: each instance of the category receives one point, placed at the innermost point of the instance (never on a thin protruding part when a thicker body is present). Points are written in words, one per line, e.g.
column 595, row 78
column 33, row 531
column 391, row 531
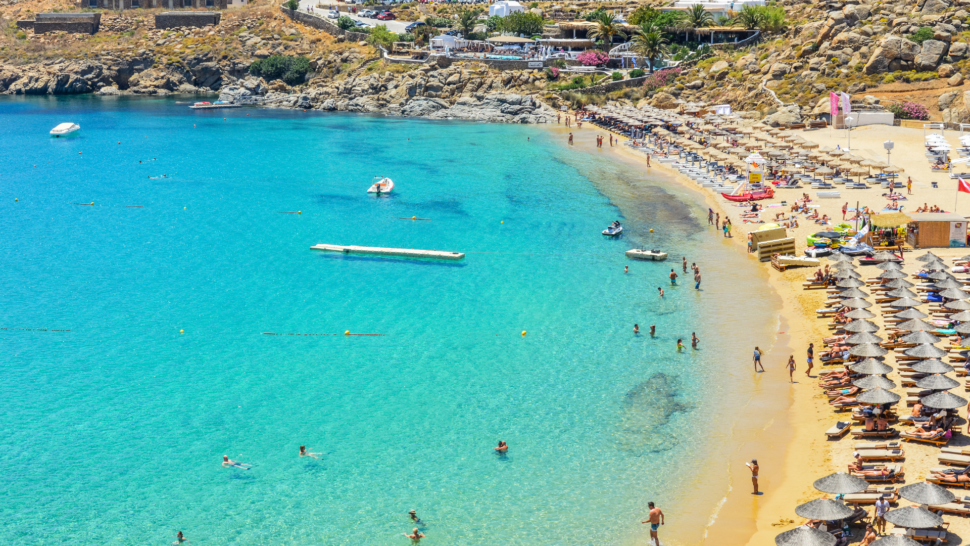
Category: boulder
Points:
column 719, row 66
column 946, row 70
column 854, row 14
column 932, row 7
column 696, row 84
column 664, row 100
column 423, row 106
column 108, row 90
column 891, row 49
column 956, row 79
column 779, row 70
column 784, row 116
column 849, row 39
column 946, row 99
column 930, row 55
column 958, row 50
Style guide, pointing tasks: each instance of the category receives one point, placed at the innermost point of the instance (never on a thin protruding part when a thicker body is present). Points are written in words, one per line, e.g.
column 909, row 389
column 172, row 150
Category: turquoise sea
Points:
column 115, row 423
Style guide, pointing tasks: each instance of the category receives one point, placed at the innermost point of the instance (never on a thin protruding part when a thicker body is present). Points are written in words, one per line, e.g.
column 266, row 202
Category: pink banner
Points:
column 833, row 105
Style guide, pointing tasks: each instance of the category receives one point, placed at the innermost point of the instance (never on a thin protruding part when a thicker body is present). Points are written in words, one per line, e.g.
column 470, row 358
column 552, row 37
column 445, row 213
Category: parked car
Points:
column 385, row 16
column 368, row 13
column 361, row 24
column 413, row 26
column 453, row 33
column 333, row 14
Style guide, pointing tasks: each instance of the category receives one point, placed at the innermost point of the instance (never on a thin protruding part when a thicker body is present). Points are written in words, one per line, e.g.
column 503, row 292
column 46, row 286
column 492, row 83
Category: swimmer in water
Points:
column 636, row 328
column 680, row 345
column 673, row 277
column 661, row 292
column 626, row 269
column 653, row 329
column 414, row 517
column 304, row 453
column 415, row 536
column 227, row 462
column 502, row 448
column 180, row 538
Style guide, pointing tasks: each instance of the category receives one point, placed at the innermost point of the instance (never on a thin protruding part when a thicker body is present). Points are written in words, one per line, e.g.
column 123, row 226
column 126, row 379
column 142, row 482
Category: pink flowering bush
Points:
column 552, row 73
column 661, row 78
column 593, row 57
column 909, row 110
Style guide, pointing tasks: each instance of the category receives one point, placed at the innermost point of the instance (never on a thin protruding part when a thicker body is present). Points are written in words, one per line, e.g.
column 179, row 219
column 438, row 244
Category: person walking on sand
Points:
column 753, row 465
column 673, row 277
column 570, row 139
column 845, row 208
column 717, row 221
column 697, row 279
column 810, row 359
column 882, row 506
column 757, row 360
column 655, row 519
column 791, row 368
column 909, row 185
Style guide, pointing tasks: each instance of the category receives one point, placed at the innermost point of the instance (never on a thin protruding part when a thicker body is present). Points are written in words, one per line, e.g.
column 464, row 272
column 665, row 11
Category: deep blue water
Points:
column 113, row 432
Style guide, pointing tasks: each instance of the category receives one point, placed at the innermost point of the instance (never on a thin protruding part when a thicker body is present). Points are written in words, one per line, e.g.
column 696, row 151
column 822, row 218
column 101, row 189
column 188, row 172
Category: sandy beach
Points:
column 792, row 448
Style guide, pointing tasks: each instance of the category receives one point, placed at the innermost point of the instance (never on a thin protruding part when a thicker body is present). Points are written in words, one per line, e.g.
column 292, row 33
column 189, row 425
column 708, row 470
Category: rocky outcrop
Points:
column 894, row 53
column 930, row 55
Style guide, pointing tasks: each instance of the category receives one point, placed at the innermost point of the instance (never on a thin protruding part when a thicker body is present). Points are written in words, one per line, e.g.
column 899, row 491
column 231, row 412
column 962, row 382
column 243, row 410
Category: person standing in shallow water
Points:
column 570, row 139
column 502, row 447
column 757, row 360
column 753, row 465
column 655, row 519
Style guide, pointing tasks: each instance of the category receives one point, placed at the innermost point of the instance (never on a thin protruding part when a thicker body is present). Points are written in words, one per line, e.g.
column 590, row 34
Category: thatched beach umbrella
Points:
column 911, row 313
column 927, row 257
column 895, row 540
column 920, row 337
column 961, row 316
column 939, row 275
column 842, row 265
column 925, row 350
column 805, row 536
column 892, row 274
column 841, row 483
column 862, row 326
column 903, row 303
column 915, row 325
column 868, row 350
column 926, row 493
column 962, row 328
column 946, row 284
column 886, row 266
column 931, row 365
column 860, row 314
column 847, row 274
column 871, row 366
column 863, row 337
column 937, row 382
column 878, row 396
column 935, row 264
column 913, row 517
column 943, row 400
column 874, row 382
column 850, row 283
column 824, row 509
column 852, row 293
column 840, row 258
column 856, row 303
column 884, row 256
column 898, row 283
column 902, row 293
column 958, row 305
column 954, row 294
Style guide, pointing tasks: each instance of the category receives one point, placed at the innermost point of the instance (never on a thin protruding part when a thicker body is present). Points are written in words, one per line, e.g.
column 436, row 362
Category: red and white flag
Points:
column 963, row 185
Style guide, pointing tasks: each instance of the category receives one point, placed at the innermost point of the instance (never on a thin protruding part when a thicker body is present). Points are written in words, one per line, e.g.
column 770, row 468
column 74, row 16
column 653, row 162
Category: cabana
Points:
column 886, row 228
column 937, row 229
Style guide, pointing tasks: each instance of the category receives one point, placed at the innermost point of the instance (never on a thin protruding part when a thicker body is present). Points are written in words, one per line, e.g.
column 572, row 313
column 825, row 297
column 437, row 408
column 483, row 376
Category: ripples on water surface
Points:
column 113, row 432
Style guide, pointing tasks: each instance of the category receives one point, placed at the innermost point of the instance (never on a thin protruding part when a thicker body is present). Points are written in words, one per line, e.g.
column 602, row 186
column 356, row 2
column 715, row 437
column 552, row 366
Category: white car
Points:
column 333, row 14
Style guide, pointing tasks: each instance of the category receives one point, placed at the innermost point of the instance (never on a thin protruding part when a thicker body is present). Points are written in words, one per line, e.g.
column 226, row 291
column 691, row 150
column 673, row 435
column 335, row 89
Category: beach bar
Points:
column 887, row 228
column 935, row 229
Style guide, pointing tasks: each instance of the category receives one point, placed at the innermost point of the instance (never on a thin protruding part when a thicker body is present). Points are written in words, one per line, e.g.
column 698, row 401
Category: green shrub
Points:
column 292, row 4
column 292, row 70
column 21, row 35
column 637, row 73
column 889, row 79
column 617, row 76
column 559, row 63
column 921, row 35
column 346, row 23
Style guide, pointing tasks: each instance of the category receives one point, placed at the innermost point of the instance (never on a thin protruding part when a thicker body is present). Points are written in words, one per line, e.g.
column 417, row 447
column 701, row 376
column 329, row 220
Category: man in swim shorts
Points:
column 656, row 519
column 673, row 277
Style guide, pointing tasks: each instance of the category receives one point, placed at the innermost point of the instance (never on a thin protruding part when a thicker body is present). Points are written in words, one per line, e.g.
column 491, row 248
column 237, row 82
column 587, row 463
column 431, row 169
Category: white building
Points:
column 505, row 8
column 716, row 8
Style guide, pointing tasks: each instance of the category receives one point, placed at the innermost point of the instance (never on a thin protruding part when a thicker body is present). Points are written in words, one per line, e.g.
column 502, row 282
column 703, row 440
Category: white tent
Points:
column 504, row 8
column 443, row 41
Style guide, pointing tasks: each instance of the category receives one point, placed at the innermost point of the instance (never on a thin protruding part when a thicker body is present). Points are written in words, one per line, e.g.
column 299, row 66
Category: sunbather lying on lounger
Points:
column 843, row 401
column 844, row 392
column 883, row 473
column 835, row 355
column 951, row 472
column 823, row 220
column 952, row 478
column 928, row 434
column 835, row 350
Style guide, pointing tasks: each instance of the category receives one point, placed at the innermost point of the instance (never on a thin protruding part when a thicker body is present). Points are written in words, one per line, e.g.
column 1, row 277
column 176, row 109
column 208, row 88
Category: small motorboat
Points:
column 614, row 229
column 766, row 193
column 383, row 185
column 644, row 254
column 65, row 129
column 857, row 250
column 818, row 252
column 206, row 105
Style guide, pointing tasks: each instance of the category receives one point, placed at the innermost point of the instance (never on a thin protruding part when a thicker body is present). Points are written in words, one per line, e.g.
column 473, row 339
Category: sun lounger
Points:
column 870, row 498
column 965, row 485
column 881, row 454
column 896, row 475
column 951, row 459
column 964, row 450
column 921, row 535
column 890, row 433
column 839, row 429
column 891, row 444
column 959, row 508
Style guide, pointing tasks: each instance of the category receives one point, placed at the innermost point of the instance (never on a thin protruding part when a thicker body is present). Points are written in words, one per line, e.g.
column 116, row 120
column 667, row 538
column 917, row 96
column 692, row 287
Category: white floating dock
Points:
column 399, row 252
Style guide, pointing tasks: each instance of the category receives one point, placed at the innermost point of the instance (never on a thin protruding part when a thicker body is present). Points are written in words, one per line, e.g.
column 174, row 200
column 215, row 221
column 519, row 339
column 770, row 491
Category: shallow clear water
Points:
column 113, row 432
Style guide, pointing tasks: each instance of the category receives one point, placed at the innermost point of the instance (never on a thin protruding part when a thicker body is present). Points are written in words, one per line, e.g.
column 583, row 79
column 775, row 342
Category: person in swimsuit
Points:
column 227, row 462
column 502, row 447
column 415, row 536
column 626, row 269
column 655, row 519
column 680, row 345
column 661, row 292
column 757, row 360
column 753, row 465
column 811, row 357
column 870, row 536
column 636, row 328
column 685, row 264
column 414, row 517
column 304, row 453
column 791, row 368
column 180, row 538
column 673, row 277
column 694, row 340
column 653, row 330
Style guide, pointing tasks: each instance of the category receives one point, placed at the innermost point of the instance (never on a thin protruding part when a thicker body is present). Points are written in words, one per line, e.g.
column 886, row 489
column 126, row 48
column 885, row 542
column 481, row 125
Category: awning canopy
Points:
column 938, row 217
column 891, row 219
column 510, row 40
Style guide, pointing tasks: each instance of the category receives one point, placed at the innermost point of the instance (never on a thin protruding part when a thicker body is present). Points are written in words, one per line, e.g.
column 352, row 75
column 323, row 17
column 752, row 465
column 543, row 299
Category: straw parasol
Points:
column 885, row 266
column 961, row 316
column 954, row 294
column 898, row 283
column 861, row 314
column 840, row 266
column 902, row 293
column 863, row 337
column 892, row 274
column 914, row 517
column 948, row 283
column 856, row 303
column 925, row 350
column 847, row 273
column 805, row 536
column 932, row 365
column 937, row 382
column 884, row 256
column 895, row 540
column 958, row 305
column 824, row 509
column 939, row 275
column 962, row 328
column 841, row 483
column 868, row 350
column 915, row 325
column 850, row 283
column 921, row 337
column 927, row 257
column 903, row 303
column 943, row 400
column 840, row 258
column 862, row 326
column 911, row 313
column 874, row 382
column 871, row 366
column 852, row 293
column 926, row 493
column 878, row 396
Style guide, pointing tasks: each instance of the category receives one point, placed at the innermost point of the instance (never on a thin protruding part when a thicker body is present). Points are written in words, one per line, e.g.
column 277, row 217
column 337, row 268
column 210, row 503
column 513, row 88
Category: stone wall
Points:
column 81, row 23
column 613, row 86
column 173, row 19
column 320, row 23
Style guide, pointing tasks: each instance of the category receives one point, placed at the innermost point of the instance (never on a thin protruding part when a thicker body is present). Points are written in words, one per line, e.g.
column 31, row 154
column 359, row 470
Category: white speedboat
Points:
column 65, row 129
column 613, row 230
column 384, row 185
column 643, row 254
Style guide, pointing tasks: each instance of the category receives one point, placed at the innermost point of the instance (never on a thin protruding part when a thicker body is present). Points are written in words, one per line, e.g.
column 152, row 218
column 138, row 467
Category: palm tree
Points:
column 650, row 42
column 749, row 17
column 467, row 19
column 606, row 28
column 697, row 17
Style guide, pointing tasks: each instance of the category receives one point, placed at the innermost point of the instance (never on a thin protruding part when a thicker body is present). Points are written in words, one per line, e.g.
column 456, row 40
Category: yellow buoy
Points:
column 92, row 202
column 414, row 217
column 651, row 230
column 183, row 208
column 299, row 212
column 15, row 199
column 347, row 333
column 181, row 331
column 503, row 221
column 523, row 332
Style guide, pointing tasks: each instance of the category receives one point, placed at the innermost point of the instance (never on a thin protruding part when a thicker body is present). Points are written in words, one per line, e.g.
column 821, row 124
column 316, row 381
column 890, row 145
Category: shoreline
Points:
column 760, row 430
